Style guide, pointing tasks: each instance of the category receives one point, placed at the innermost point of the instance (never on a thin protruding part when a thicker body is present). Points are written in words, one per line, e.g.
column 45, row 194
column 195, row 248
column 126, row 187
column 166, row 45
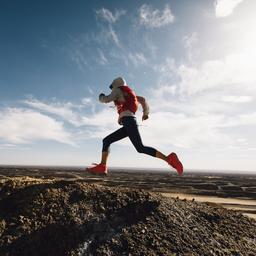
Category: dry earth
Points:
column 233, row 191
column 72, row 217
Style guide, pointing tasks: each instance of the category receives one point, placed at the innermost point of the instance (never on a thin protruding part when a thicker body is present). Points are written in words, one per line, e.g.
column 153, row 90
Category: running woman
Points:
column 126, row 103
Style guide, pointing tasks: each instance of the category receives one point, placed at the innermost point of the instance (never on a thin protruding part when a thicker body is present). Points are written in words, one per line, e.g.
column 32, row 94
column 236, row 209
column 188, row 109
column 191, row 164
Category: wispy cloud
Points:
column 79, row 59
column 237, row 99
column 154, row 18
column 189, row 42
column 197, row 124
column 85, row 49
column 106, row 15
column 247, row 119
column 72, row 114
column 120, row 47
column 112, row 34
column 111, row 18
column 63, row 110
column 102, row 123
column 7, row 146
column 195, row 106
column 235, row 70
column 185, row 131
column 102, row 60
column 22, row 126
column 87, row 101
column 48, row 121
column 137, row 58
column 224, row 8
column 195, row 88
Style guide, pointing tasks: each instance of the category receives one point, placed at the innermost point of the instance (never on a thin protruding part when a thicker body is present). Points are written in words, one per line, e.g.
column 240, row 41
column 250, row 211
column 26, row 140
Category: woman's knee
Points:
column 140, row 149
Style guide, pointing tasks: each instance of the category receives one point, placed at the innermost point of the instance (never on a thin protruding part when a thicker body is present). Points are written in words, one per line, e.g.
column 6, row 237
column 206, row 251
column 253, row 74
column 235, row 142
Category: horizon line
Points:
column 193, row 170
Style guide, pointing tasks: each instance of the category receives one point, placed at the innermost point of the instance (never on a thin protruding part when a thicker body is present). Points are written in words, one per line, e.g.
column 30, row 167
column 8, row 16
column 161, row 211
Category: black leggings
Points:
column 130, row 129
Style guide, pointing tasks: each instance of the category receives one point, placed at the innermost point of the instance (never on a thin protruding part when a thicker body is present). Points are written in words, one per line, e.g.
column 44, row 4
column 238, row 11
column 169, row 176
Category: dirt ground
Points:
column 231, row 190
column 73, row 217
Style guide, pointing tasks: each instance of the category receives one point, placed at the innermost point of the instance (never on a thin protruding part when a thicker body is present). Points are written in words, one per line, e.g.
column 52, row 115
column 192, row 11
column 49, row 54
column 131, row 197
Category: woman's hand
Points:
column 101, row 95
column 144, row 117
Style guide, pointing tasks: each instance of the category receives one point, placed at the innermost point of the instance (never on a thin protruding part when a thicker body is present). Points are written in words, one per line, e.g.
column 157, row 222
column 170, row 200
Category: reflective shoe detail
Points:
column 174, row 161
column 97, row 169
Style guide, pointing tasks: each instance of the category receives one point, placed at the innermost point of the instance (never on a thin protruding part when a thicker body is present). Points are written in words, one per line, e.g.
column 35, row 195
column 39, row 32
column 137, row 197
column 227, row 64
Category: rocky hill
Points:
column 44, row 217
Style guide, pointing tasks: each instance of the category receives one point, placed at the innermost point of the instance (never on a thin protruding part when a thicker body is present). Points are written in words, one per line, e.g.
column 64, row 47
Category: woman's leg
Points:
column 104, row 157
column 132, row 130
column 161, row 156
column 107, row 141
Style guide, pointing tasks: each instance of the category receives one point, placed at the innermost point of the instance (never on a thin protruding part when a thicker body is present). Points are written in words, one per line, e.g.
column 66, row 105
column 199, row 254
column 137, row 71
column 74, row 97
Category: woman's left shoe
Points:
column 174, row 162
column 98, row 169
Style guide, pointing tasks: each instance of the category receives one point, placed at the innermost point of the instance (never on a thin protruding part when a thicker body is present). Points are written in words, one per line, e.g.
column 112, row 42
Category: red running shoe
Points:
column 98, row 169
column 174, row 161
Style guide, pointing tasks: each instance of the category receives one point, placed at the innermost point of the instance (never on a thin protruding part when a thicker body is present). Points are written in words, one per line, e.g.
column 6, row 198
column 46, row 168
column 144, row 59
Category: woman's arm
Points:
column 111, row 97
column 145, row 107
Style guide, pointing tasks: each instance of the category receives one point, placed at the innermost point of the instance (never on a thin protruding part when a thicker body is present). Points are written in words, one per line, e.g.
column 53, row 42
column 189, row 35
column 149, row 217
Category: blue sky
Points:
column 194, row 62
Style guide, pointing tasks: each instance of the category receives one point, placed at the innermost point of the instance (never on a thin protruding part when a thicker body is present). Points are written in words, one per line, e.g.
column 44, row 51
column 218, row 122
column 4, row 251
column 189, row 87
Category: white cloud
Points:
column 189, row 42
column 192, row 103
column 119, row 55
column 7, row 146
column 208, row 88
column 137, row 58
column 102, row 60
column 224, row 8
column 112, row 34
column 236, row 70
column 106, row 15
column 79, row 59
column 168, row 66
column 248, row 119
column 236, row 99
column 21, row 126
column 105, row 118
column 155, row 18
column 194, row 130
column 215, row 77
column 26, row 125
column 166, row 74
column 180, row 130
column 64, row 110
column 87, row 101
column 111, row 18
column 68, row 112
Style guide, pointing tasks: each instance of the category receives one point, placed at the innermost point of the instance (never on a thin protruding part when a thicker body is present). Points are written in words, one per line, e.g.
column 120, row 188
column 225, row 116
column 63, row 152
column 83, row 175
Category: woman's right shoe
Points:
column 98, row 169
column 174, row 162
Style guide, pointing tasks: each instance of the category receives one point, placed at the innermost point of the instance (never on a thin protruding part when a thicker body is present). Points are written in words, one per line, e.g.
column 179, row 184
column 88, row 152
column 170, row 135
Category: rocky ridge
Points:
column 45, row 217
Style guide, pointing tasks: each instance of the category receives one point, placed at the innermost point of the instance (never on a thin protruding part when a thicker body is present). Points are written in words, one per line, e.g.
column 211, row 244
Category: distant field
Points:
column 233, row 191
